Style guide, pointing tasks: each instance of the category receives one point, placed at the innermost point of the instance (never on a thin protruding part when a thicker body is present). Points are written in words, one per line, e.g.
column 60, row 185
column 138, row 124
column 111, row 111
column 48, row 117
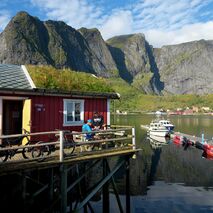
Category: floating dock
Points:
column 192, row 138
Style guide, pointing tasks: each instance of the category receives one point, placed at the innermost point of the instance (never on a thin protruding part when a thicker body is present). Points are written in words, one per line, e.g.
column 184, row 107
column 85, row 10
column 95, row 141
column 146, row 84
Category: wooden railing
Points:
column 77, row 141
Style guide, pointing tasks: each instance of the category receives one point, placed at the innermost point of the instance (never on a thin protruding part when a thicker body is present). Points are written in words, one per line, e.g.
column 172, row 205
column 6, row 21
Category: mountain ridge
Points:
column 185, row 68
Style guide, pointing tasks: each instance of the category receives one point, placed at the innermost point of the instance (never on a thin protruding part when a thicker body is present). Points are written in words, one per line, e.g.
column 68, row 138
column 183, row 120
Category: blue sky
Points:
column 162, row 22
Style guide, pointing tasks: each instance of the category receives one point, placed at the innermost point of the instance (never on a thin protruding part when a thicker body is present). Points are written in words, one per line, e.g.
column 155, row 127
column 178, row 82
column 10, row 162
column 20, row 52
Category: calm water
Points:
column 168, row 179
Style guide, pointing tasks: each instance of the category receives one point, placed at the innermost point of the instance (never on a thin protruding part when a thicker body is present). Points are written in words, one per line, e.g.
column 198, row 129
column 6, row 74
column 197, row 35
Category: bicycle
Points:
column 10, row 142
column 69, row 143
column 45, row 150
column 38, row 151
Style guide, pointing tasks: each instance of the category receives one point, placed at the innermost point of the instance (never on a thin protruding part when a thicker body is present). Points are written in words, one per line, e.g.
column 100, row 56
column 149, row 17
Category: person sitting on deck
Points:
column 87, row 128
column 97, row 121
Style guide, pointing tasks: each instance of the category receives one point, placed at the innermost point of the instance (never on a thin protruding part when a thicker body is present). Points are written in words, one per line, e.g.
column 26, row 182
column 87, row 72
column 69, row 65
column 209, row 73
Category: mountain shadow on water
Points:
column 154, row 165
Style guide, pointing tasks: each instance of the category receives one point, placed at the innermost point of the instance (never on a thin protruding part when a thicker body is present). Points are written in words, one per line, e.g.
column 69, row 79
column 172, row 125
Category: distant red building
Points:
column 188, row 112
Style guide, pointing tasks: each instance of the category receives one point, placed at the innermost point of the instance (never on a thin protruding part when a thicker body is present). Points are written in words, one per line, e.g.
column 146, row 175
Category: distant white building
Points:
column 205, row 109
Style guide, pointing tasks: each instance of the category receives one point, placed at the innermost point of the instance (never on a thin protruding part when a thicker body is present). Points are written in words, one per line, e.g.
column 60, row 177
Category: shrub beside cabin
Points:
column 22, row 105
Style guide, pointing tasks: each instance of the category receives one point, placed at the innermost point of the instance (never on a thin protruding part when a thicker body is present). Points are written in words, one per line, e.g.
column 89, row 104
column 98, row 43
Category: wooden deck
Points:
column 52, row 161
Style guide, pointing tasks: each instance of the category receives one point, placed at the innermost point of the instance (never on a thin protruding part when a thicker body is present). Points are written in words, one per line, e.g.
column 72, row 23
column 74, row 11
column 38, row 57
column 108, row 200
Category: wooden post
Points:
column 108, row 112
column 24, row 190
column 83, row 187
column 113, row 111
column 61, row 147
column 127, row 187
column 63, row 171
column 105, row 188
column 133, row 138
column 51, row 185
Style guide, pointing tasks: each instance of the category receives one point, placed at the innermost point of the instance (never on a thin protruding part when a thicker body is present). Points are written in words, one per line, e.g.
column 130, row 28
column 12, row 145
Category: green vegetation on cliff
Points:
column 52, row 78
column 134, row 101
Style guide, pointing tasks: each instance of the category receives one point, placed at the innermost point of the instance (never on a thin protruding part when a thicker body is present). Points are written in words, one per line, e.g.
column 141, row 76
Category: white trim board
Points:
column 108, row 112
column 28, row 76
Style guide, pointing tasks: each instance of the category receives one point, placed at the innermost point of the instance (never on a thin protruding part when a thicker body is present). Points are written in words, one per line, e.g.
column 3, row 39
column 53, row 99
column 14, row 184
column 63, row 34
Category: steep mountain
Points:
column 27, row 40
column 100, row 49
column 24, row 41
column 174, row 69
column 186, row 68
column 134, row 58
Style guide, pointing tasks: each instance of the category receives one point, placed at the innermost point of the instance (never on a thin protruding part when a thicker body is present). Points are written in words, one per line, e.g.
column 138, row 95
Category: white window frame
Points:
column 73, row 123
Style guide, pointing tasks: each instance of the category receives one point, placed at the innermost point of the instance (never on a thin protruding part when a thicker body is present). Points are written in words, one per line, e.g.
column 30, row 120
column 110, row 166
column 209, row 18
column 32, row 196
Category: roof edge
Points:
column 23, row 67
column 49, row 92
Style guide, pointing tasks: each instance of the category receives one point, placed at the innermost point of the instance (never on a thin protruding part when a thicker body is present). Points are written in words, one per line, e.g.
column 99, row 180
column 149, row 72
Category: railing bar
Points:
column 30, row 134
column 102, row 141
column 100, row 131
column 28, row 146
column 57, row 132
column 53, row 143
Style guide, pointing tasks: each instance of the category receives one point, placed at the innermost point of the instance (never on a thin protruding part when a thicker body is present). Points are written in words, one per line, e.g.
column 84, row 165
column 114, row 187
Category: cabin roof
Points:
column 13, row 76
column 61, row 93
column 15, row 80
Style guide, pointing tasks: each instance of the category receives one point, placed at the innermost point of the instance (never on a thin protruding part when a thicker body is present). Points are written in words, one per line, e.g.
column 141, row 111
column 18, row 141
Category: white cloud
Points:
column 190, row 32
column 170, row 22
column 76, row 13
column 120, row 22
column 4, row 18
column 162, row 21
column 162, row 14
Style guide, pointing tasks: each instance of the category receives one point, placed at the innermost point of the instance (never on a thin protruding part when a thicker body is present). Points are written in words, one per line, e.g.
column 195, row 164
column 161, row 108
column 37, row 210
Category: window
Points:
column 73, row 112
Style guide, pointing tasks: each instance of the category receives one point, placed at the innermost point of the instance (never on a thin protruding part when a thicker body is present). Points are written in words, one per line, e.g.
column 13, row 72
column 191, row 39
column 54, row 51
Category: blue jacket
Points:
column 87, row 128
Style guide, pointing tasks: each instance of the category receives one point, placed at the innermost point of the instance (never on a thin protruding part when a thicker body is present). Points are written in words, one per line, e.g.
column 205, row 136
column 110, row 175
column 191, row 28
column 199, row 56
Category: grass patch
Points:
column 51, row 78
column 134, row 101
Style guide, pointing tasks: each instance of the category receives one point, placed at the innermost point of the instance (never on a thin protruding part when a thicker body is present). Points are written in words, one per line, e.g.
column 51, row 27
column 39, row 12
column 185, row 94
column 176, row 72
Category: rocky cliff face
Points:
column 24, row 41
column 68, row 48
column 130, row 53
column 186, row 68
column 101, row 51
column 27, row 40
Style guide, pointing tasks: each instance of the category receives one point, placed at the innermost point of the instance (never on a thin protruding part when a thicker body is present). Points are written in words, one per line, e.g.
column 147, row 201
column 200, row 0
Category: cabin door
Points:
column 26, row 118
column 12, row 117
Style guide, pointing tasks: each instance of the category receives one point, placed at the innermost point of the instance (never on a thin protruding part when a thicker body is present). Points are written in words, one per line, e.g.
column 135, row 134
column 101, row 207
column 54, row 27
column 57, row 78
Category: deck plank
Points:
column 53, row 160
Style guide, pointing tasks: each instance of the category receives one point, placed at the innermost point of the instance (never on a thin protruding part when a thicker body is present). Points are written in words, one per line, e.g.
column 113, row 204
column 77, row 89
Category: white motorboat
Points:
column 158, row 142
column 163, row 140
column 167, row 124
column 157, row 129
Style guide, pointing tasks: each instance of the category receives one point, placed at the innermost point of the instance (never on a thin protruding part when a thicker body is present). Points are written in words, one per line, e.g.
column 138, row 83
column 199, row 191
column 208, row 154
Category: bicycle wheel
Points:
column 41, row 151
column 72, row 148
column 89, row 147
column 27, row 152
column 45, row 151
column 3, row 154
column 69, row 147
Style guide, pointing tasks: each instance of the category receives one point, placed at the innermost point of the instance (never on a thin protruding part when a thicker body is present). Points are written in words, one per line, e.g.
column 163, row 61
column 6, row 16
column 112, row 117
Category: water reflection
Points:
column 165, row 177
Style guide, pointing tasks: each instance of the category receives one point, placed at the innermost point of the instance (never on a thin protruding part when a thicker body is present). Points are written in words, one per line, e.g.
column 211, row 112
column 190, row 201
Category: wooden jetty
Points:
column 192, row 138
column 61, row 178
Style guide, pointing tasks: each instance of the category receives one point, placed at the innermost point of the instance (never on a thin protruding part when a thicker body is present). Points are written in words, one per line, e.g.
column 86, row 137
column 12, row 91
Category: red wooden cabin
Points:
column 38, row 110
